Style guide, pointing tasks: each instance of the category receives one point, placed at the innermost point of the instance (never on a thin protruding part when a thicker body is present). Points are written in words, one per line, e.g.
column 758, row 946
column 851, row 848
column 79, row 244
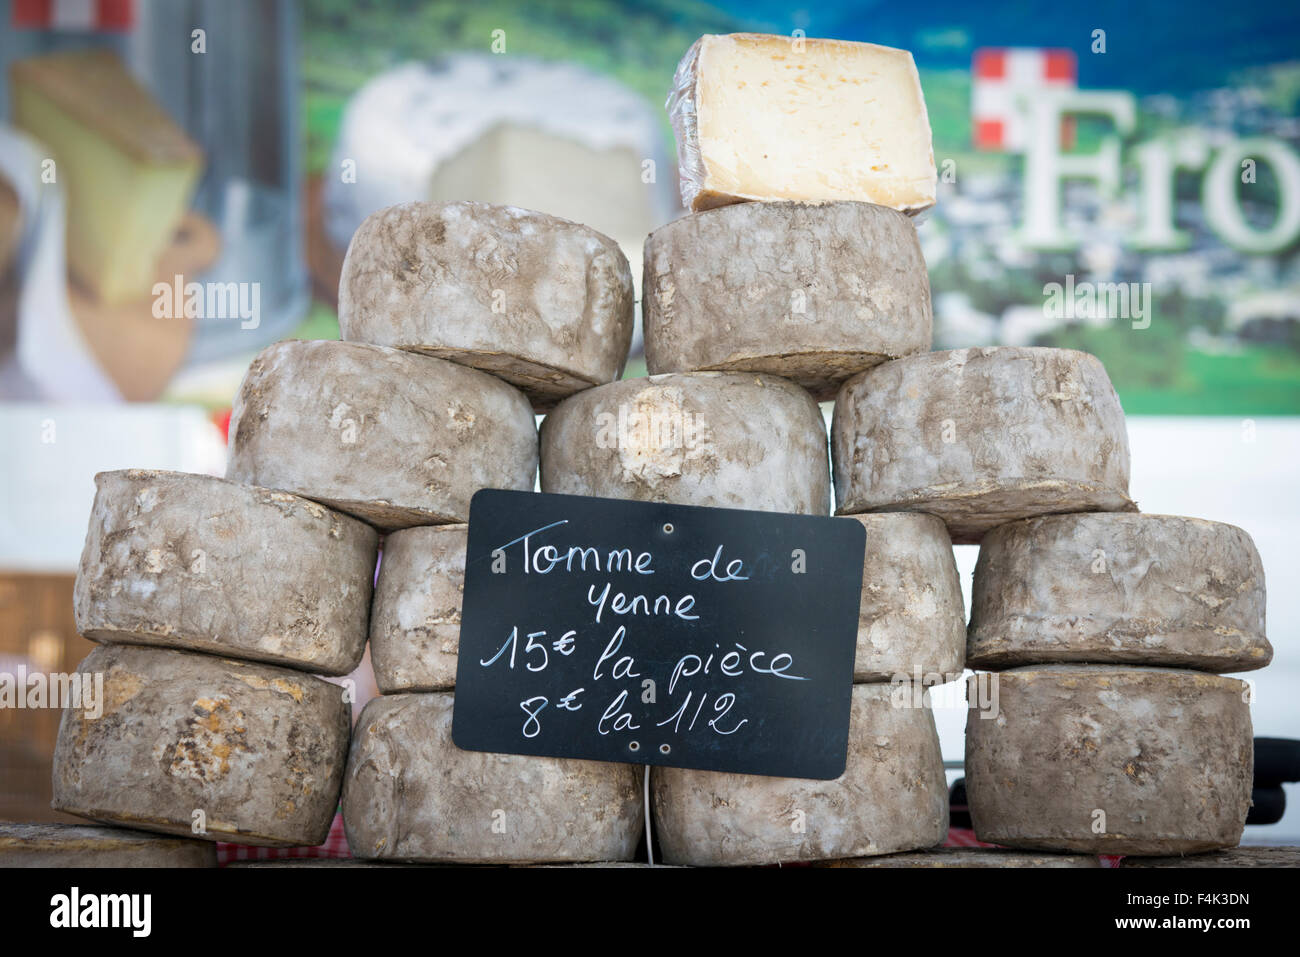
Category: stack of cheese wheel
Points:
column 800, row 262
column 797, row 277
column 778, row 288
column 219, row 600
column 1112, row 730
column 217, row 606
column 460, row 320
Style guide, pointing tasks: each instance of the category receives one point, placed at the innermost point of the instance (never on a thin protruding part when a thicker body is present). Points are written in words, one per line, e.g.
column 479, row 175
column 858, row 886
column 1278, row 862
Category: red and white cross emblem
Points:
column 1003, row 82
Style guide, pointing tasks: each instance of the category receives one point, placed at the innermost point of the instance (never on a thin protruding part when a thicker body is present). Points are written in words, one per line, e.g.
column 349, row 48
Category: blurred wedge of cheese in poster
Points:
column 150, row 230
column 153, row 151
column 510, row 130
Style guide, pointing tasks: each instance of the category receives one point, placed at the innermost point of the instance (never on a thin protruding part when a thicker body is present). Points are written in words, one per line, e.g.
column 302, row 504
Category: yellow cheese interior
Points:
column 123, row 202
column 11, row 224
column 837, row 121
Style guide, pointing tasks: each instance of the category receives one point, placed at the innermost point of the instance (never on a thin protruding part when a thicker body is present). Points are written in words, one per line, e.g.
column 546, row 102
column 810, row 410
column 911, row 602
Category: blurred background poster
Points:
column 179, row 180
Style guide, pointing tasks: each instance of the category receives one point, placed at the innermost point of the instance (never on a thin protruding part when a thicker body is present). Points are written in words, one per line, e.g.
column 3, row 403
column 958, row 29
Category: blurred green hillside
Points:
column 639, row 43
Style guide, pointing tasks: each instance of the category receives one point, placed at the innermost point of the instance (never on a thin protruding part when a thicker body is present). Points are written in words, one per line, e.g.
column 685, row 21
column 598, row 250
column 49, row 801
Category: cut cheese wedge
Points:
column 761, row 117
column 11, row 225
column 128, row 169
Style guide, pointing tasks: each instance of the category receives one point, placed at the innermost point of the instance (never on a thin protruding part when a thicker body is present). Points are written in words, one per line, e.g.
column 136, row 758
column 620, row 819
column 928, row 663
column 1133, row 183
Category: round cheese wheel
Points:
column 72, row 845
column 728, row 440
column 977, row 857
column 173, row 741
column 410, row 794
column 394, row 438
column 543, row 303
column 912, row 621
column 814, row 293
column 981, row 437
column 1108, row 760
column 891, row 797
column 1119, row 589
column 415, row 619
column 191, row 561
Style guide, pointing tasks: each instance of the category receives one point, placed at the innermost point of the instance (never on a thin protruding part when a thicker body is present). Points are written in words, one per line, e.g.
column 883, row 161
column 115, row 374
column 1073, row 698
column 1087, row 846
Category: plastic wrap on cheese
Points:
column 682, row 115
column 771, row 118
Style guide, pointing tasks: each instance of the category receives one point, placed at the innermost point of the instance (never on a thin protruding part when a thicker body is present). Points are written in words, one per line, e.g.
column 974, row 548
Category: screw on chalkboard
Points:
column 664, row 748
column 634, row 746
column 668, row 528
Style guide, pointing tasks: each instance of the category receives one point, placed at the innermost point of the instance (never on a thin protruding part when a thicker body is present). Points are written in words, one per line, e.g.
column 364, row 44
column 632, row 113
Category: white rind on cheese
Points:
column 912, row 618
column 200, row 563
column 761, row 117
column 415, row 619
column 981, row 437
column 816, row 294
column 541, row 302
column 727, row 440
column 1112, row 588
column 1108, row 760
column 393, row 438
column 892, row 797
column 412, row 795
column 539, row 133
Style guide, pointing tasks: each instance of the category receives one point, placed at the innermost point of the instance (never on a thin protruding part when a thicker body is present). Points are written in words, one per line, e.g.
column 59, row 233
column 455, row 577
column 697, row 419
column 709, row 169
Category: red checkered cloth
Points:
column 964, row 837
column 336, row 845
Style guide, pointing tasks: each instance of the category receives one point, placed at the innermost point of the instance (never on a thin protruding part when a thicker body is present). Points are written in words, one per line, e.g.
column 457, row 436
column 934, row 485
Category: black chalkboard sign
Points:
column 644, row 633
